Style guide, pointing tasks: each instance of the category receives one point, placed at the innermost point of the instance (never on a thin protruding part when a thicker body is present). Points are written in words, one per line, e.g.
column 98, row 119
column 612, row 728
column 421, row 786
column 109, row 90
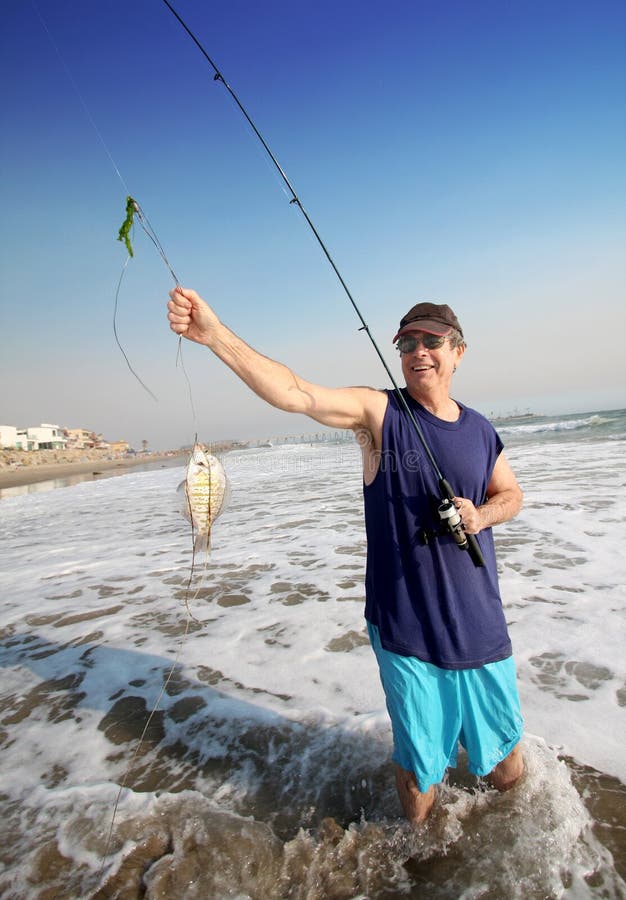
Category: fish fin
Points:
column 183, row 499
column 202, row 543
column 225, row 498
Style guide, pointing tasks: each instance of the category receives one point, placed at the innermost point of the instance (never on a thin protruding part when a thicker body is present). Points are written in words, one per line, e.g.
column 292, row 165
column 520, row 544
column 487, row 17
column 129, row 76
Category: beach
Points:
column 35, row 467
column 264, row 770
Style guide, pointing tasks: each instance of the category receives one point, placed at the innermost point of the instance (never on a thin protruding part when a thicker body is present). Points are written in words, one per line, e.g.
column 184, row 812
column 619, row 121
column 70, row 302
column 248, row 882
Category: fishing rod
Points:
column 448, row 514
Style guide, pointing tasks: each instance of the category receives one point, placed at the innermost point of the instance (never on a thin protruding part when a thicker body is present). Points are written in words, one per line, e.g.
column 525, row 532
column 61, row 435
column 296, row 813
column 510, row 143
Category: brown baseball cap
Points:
column 433, row 318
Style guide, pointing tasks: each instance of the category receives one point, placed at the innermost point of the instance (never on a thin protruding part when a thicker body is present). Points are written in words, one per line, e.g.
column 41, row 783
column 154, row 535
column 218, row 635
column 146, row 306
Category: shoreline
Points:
column 22, row 476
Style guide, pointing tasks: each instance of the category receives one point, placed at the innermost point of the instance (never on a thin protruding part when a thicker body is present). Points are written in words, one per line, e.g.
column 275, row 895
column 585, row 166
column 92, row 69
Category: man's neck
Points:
column 443, row 407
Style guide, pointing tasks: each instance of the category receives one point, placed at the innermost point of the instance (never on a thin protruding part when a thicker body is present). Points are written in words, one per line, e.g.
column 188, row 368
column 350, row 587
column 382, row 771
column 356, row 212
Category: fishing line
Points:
column 152, row 235
column 143, row 221
column 116, row 169
column 149, row 230
column 134, row 209
column 464, row 541
column 80, row 97
column 117, row 340
column 142, row 736
column 188, row 601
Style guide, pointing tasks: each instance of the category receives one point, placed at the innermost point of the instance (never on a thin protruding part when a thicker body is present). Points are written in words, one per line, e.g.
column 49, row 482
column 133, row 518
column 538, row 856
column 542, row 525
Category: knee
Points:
column 508, row 772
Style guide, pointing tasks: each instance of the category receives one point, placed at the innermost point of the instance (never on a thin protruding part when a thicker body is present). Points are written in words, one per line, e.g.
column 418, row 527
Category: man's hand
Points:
column 191, row 317
column 470, row 515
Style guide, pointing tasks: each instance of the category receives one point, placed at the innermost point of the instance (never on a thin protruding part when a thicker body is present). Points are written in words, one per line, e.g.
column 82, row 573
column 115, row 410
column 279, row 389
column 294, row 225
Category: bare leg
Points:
column 509, row 771
column 415, row 805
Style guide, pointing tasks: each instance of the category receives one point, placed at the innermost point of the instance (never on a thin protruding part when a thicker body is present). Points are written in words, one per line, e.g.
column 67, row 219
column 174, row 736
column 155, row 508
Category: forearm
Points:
column 504, row 500
column 272, row 381
column 499, row 508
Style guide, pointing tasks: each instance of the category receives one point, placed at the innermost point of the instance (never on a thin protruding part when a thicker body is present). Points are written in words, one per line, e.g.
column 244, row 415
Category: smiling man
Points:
column 435, row 620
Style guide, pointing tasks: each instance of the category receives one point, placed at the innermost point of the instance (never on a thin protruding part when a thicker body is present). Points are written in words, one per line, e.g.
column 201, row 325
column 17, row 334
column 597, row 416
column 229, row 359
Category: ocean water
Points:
column 265, row 771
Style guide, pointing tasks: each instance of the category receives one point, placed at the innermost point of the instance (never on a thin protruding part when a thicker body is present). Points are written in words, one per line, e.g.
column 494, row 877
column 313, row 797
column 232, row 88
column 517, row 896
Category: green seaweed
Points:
column 127, row 224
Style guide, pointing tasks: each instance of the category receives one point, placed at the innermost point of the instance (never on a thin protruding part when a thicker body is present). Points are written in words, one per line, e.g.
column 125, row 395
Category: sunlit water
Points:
column 265, row 772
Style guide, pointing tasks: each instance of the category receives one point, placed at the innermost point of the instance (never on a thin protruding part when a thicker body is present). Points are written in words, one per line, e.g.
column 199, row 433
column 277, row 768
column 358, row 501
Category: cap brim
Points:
column 427, row 325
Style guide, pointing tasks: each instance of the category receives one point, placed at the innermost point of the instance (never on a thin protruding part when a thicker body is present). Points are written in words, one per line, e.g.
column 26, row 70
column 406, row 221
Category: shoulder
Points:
column 478, row 431
column 473, row 415
column 476, row 419
column 374, row 403
column 369, row 428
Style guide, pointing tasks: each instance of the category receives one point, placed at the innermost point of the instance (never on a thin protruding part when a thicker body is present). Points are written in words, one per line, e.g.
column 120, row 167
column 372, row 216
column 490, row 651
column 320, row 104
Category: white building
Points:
column 8, row 437
column 45, row 437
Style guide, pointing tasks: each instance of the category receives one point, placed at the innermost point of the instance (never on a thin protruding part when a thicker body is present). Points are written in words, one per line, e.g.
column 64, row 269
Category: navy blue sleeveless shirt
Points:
column 429, row 600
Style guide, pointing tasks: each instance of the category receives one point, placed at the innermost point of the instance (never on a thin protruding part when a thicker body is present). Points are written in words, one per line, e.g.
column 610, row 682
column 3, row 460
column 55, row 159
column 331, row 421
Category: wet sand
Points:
column 25, row 475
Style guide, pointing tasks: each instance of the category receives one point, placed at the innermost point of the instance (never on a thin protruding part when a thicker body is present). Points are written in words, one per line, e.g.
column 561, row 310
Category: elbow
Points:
column 519, row 500
column 295, row 399
column 292, row 404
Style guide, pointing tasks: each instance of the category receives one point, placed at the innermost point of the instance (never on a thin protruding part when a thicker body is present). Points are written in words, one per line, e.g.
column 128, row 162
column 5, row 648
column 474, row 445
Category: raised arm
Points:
column 354, row 407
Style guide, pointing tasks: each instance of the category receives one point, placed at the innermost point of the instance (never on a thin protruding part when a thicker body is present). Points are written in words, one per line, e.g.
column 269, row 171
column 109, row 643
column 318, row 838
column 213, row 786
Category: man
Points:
column 435, row 619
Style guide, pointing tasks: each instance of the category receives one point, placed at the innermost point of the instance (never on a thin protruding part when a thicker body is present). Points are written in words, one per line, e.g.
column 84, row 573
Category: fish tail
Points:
column 202, row 543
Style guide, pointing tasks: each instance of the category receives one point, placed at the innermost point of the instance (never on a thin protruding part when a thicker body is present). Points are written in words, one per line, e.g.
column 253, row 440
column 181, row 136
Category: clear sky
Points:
column 467, row 153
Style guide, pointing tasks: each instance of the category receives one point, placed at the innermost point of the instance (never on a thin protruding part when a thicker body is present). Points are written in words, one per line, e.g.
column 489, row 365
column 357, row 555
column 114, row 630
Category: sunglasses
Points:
column 409, row 342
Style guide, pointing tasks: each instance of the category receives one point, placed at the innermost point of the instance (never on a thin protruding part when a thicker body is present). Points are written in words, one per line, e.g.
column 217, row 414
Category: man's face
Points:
column 427, row 368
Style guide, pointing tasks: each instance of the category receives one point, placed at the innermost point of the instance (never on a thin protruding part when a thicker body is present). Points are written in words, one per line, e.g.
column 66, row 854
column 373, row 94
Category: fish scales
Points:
column 206, row 493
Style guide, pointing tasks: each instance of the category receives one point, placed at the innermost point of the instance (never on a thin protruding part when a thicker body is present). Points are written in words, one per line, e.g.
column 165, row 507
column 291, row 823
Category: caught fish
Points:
column 206, row 492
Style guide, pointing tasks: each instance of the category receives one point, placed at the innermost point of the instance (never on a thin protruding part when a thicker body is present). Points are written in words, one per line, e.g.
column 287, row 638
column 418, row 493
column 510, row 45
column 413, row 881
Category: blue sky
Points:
column 468, row 153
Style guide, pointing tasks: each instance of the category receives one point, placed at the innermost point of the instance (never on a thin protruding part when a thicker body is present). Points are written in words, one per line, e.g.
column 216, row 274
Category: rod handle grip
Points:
column 473, row 548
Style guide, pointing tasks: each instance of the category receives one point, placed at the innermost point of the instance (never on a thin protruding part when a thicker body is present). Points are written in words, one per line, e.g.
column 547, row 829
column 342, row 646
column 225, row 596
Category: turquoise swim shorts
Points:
column 432, row 710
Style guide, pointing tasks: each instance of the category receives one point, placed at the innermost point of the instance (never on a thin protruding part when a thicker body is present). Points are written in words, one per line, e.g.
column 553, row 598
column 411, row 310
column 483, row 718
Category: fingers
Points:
column 178, row 328
column 179, row 297
column 179, row 318
column 179, row 310
column 467, row 512
column 186, row 296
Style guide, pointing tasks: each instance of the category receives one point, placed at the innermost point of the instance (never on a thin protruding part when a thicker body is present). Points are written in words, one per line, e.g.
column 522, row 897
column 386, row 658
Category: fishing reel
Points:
column 452, row 523
column 451, row 520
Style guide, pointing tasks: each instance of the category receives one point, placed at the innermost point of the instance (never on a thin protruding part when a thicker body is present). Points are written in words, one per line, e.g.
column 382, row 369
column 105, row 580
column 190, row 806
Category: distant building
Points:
column 37, row 437
column 23, row 441
column 78, row 438
column 50, row 437
column 45, row 437
column 8, row 437
column 83, row 439
column 119, row 446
